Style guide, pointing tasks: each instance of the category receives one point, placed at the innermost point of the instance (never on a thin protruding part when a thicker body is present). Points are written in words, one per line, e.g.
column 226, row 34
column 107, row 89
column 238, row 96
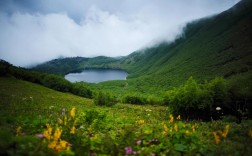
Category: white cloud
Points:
column 29, row 37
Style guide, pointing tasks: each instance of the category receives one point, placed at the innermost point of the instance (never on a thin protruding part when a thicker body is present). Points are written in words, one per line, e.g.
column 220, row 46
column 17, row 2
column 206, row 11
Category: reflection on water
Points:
column 97, row 75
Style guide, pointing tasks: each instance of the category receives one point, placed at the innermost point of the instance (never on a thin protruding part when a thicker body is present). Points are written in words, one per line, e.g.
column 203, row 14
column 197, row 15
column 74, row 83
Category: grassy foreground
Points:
column 38, row 121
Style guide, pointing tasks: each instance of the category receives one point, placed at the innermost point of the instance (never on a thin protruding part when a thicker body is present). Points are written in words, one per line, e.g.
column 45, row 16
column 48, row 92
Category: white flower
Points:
column 218, row 108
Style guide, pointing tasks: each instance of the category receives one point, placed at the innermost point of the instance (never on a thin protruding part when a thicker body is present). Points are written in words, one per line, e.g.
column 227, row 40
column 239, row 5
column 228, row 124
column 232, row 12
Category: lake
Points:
column 97, row 75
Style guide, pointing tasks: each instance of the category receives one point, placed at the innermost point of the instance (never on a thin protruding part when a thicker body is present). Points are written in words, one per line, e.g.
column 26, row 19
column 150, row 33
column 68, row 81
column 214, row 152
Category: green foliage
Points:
column 4, row 67
column 134, row 99
column 80, row 89
column 56, row 83
column 198, row 101
column 63, row 66
column 49, row 80
column 28, row 109
column 104, row 99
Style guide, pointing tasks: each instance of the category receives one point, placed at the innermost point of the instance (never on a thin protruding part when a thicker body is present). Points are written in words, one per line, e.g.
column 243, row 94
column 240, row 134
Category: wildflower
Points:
column 63, row 144
column 178, row 117
column 193, row 128
column 60, row 121
column 188, row 132
column 171, row 118
column 250, row 133
column 136, row 152
column 176, row 127
column 52, row 145
column 57, row 134
column 65, row 120
column 218, row 108
column 128, row 150
column 216, row 137
column 19, row 130
column 72, row 112
column 225, row 132
column 47, row 133
column 154, row 141
column 139, row 142
column 40, row 135
column 140, row 122
column 166, row 128
column 73, row 129
column 63, row 111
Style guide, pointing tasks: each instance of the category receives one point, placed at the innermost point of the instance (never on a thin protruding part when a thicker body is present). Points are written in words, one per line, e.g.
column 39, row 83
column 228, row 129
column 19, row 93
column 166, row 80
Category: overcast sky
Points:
column 34, row 31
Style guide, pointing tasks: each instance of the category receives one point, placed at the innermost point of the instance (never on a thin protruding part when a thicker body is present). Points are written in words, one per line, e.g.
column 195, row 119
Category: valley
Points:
column 192, row 96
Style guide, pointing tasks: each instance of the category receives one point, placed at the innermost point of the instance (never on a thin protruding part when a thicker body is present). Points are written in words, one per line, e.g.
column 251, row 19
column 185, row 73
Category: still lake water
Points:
column 97, row 75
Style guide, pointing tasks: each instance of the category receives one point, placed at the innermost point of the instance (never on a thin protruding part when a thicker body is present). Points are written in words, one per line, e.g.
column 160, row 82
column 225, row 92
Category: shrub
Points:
column 199, row 101
column 56, row 83
column 104, row 99
column 192, row 100
column 134, row 99
column 81, row 90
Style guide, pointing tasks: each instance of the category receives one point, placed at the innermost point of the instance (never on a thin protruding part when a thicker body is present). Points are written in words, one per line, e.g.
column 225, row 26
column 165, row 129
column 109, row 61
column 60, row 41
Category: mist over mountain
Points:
column 215, row 46
column 35, row 32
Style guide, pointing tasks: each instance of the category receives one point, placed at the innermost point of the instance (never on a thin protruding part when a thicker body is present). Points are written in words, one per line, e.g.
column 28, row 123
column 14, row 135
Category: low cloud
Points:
column 31, row 35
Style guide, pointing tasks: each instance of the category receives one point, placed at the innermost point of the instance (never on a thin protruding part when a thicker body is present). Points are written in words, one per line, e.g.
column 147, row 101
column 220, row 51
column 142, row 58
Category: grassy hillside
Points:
column 214, row 46
column 34, row 122
column 210, row 47
column 64, row 66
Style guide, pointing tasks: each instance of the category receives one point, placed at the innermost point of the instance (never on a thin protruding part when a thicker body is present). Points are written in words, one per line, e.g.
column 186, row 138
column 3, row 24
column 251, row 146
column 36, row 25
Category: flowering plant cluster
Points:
column 93, row 133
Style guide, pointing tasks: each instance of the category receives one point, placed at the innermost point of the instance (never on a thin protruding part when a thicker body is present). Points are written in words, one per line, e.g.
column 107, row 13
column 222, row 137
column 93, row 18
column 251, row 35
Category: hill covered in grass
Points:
column 214, row 46
column 39, row 121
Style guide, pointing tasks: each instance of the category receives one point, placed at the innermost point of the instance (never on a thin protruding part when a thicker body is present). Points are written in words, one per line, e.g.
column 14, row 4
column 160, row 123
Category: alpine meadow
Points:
column 189, row 96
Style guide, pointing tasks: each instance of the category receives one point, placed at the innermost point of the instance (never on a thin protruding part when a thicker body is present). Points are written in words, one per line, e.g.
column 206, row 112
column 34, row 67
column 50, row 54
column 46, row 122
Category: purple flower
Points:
column 136, row 152
column 139, row 142
column 128, row 150
column 40, row 135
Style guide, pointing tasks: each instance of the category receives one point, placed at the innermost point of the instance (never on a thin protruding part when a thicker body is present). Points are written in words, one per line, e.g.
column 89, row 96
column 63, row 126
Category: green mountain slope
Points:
column 210, row 47
column 63, row 66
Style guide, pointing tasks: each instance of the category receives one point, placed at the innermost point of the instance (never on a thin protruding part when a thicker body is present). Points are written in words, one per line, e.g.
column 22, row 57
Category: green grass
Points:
column 26, row 108
column 18, row 96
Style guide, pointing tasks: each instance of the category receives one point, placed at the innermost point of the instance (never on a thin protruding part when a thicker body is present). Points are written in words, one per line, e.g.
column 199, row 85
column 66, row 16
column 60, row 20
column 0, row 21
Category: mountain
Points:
column 214, row 46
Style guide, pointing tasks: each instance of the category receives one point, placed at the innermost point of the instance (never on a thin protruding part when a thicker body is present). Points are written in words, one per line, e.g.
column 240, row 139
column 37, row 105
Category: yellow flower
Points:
column 73, row 129
column 140, row 122
column 250, row 133
column 216, row 137
column 52, row 145
column 166, row 128
column 225, row 132
column 72, row 112
column 176, row 127
column 60, row 121
column 188, row 132
column 63, row 144
column 193, row 128
column 48, row 132
column 171, row 118
column 57, row 134
column 18, row 130
column 178, row 117
column 65, row 120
